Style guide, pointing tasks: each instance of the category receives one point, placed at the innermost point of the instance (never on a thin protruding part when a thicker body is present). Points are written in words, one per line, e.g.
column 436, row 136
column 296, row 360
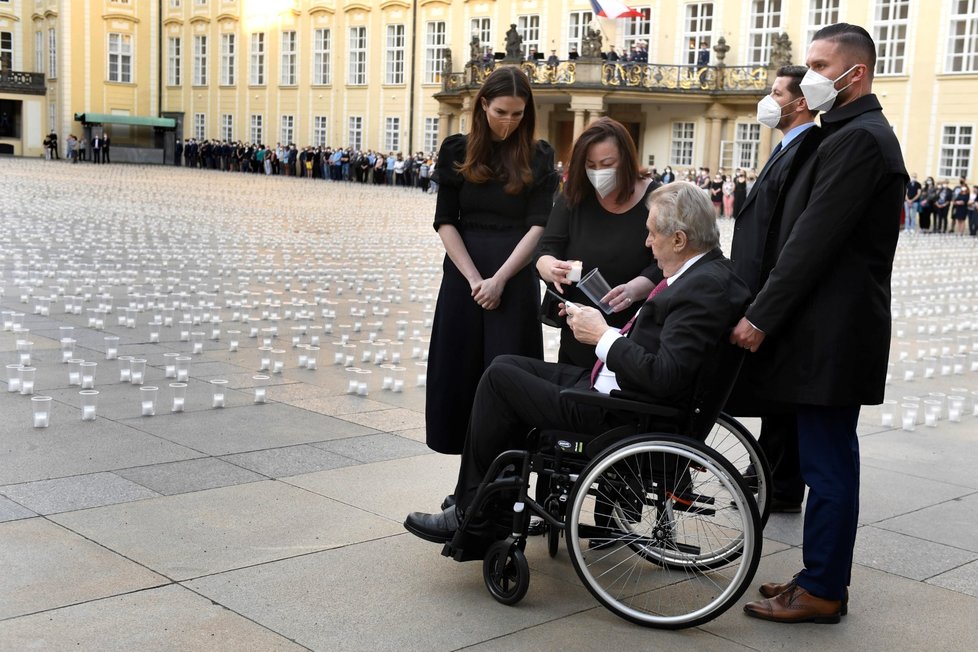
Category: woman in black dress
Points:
column 496, row 189
column 600, row 220
column 928, row 195
column 740, row 191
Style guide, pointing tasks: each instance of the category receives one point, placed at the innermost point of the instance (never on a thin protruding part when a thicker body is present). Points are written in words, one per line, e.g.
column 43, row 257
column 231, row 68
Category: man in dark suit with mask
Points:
column 753, row 253
column 655, row 358
column 824, row 310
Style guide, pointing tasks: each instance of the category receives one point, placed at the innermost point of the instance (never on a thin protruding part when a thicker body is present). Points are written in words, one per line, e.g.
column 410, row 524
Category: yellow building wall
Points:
column 919, row 103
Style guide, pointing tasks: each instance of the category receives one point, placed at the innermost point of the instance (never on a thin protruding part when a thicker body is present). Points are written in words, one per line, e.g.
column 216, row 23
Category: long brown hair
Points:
column 516, row 152
column 577, row 186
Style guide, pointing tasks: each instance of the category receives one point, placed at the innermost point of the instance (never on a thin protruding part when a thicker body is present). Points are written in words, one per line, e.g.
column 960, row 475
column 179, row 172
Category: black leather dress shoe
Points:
column 437, row 528
column 448, row 502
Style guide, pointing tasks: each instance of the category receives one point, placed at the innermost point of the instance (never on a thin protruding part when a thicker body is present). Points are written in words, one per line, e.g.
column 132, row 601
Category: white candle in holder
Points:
column 148, row 400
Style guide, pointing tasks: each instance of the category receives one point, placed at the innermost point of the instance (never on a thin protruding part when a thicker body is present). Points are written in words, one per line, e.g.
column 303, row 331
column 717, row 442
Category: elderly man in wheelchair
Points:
column 661, row 529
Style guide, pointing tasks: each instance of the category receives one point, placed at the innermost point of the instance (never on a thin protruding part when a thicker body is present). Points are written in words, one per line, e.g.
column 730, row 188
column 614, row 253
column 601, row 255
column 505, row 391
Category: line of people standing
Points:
column 941, row 207
column 77, row 149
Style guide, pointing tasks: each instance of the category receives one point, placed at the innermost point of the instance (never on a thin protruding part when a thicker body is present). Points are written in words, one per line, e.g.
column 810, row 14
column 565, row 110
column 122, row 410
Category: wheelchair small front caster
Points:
column 506, row 572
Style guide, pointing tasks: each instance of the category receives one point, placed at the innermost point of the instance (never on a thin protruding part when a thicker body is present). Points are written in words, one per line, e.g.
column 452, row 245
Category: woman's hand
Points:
column 489, row 293
column 624, row 296
column 554, row 271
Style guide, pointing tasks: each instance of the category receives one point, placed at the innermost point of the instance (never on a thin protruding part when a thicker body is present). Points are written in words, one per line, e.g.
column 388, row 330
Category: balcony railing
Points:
column 652, row 77
column 24, row 83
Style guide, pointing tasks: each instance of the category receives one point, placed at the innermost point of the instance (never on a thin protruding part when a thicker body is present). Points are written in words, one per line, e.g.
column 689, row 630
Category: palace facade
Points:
column 399, row 75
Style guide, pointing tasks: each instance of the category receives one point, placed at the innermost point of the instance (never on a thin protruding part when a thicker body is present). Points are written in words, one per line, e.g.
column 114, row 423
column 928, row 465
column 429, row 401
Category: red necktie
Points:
column 598, row 366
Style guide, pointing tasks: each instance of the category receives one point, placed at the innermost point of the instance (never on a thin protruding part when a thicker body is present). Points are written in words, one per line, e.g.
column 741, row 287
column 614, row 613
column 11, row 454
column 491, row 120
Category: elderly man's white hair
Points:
column 684, row 206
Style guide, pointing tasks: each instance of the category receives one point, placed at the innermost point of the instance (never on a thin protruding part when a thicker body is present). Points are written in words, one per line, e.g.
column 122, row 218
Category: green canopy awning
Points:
column 133, row 120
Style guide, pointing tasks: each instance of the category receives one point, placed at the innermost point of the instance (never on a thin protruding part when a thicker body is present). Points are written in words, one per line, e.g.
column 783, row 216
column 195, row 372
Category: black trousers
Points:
column 514, row 395
column 779, row 441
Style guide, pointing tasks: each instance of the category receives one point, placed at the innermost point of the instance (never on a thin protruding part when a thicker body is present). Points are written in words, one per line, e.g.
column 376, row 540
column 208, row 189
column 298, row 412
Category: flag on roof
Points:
column 613, row 9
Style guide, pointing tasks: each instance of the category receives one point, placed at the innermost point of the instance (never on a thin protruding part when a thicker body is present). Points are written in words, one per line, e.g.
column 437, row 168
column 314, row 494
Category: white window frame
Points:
column 120, row 58
column 286, row 133
column 431, row 127
column 481, row 27
column 392, row 134
column 322, row 72
column 288, row 75
column 577, row 22
column 763, row 25
column 637, row 29
column 39, row 51
column 320, row 131
column 528, row 27
column 394, row 54
column 200, row 126
column 174, row 63
column 891, row 30
column 7, row 53
column 256, row 68
column 957, row 151
column 747, row 145
column 683, row 144
column 356, row 74
column 52, row 53
column 229, row 54
column 698, row 25
column 200, row 60
column 227, row 127
column 962, row 39
column 257, row 131
column 435, row 46
column 822, row 13
column 355, row 132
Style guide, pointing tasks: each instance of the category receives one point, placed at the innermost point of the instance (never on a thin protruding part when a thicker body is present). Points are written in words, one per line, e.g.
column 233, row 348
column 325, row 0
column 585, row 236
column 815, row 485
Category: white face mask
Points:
column 820, row 91
column 769, row 111
column 604, row 181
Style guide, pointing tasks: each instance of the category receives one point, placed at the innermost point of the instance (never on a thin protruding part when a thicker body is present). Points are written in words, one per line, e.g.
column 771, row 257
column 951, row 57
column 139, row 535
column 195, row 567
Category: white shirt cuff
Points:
column 604, row 344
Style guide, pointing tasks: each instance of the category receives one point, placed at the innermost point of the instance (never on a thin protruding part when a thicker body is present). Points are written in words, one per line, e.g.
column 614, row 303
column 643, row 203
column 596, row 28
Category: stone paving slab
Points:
column 388, row 420
column 886, row 612
column 76, row 492
column 951, row 522
column 206, row 532
column 158, row 620
column 887, row 551
column 290, row 460
column 190, row 475
column 11, row 511
column 946, row 454
column 46, row 566
column 423, row 600
column 243, row 429
column 884, row 494
column 421, row 484
column 375, row 448
column 71, row 446
column 963, row 579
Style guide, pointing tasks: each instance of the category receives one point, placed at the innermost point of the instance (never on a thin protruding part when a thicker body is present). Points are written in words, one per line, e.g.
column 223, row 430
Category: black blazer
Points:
column 825, row 306
column 677, row 331
column 756, row 228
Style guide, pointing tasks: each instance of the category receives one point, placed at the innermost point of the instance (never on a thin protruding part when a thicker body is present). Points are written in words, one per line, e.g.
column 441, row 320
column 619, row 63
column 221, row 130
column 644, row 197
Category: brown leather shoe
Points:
column 773, row 589
column 796, row 605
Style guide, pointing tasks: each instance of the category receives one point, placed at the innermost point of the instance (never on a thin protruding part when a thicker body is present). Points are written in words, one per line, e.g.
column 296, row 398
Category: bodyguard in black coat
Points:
column 825, row 311
column 753, row 253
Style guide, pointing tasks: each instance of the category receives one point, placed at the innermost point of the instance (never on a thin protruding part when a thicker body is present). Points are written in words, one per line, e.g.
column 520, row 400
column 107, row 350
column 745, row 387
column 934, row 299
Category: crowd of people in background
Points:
column 941, row 207
column 335, row 164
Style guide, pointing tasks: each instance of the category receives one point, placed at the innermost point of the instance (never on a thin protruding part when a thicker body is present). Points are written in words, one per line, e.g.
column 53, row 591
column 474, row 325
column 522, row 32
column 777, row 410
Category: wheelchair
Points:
column 661, row 528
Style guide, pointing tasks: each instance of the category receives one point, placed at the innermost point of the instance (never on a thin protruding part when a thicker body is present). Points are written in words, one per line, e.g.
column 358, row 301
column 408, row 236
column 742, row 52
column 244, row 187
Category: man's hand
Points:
column 588, row 324
column 746, row 336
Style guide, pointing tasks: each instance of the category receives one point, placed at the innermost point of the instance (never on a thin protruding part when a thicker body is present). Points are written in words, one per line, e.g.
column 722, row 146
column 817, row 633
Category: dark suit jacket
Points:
column 677, row 331
column 756, row 228
column 825, row 306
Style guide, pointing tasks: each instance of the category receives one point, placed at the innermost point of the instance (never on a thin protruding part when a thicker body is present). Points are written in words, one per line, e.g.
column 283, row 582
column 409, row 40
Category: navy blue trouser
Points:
column 829, row 454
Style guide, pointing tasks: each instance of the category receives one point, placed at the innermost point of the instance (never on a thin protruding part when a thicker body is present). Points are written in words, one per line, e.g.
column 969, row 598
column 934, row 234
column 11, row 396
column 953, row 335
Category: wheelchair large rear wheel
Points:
column 731, row 439
column 692, row 541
